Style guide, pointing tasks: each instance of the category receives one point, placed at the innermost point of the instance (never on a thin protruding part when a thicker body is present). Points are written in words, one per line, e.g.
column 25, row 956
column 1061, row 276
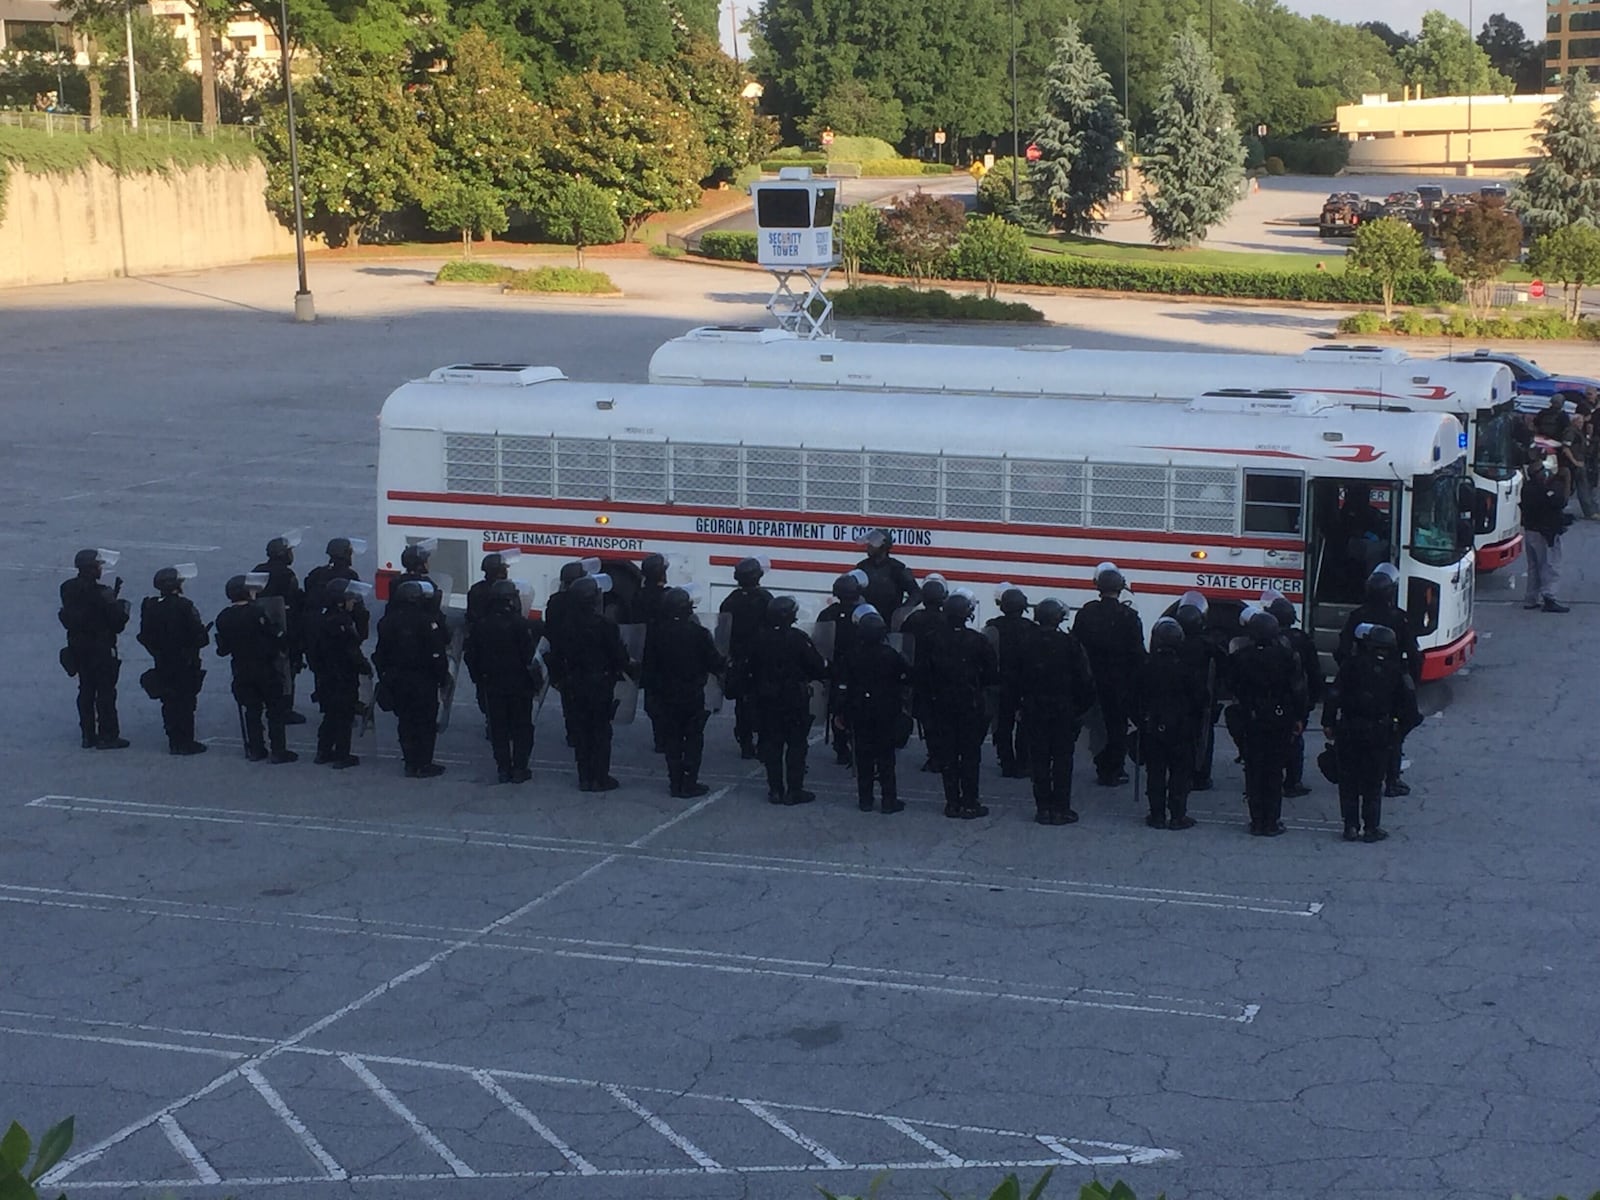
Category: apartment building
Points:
column 1572, row 39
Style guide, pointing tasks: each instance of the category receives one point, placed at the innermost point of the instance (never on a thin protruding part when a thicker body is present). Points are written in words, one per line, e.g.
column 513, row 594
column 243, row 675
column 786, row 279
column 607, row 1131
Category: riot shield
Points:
column 819, row 703
column 456, row 631
column 365, row 684
column 723, row 634
column 992, row 632
column 713, row 697
column 901, row 613
column 903, row 645
column 1095, row 722
column 278, row 614
column 540, row 652
column 822, row 634
column 626, row 692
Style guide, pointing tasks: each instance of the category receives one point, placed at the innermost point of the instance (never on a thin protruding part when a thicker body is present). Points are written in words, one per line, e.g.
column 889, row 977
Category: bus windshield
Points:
column 1436, row 524
column 1491, row 456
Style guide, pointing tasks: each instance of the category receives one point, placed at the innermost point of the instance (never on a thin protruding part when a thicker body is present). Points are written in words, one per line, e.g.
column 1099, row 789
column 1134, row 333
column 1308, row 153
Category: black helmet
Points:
column 654, row 568
column 279, row 550
column 748, row 570
column 783, row 611
column 503, row 594
column 415, row 558
column 871, row 627
column 237, row 589
column 1108, row 581
column 1262, row 627
column 492, row 562
column 84, row 560
column 934, row 592
column 1166, row 634
column 1050, row 612
column 847, row 588
column 333, row 594
column 1190, row 619
column 1283, row 611
column 572, row 572
column 585, row 590
column 1377, row 637
column 168, row 581
column 879, row 539
column 676, row 602
column 340, row 549
column 1013, row 602
column 1381, row 584
column 958, row 609
column 412, row 591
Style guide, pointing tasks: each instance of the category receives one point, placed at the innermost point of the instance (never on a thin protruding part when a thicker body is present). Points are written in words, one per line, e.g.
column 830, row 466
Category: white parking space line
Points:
column 810, row 1145
column 698, row 1156
column 295, row 1125
column 948, row 1157
column 398, row 1107
column 524, row 1114
column 204, row 1172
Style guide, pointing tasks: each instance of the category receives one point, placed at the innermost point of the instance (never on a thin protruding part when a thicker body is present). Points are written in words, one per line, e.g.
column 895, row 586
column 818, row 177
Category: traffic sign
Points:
column 1536, row 289
column 1033, row 153
column 827, row 137
column 938, row 137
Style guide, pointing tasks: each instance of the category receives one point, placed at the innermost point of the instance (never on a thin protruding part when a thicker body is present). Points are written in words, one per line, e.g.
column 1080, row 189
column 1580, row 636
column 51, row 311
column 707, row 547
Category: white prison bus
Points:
column 1230, row 494
column 1480, row 395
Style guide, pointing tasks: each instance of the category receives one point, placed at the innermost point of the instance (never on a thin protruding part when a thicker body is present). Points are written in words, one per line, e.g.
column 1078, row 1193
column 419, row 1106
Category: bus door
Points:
column 1353, row 529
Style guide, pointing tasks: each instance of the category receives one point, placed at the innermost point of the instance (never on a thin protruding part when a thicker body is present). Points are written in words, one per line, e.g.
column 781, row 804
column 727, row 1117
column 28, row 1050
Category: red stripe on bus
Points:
column 724, row 539
column 763, row 514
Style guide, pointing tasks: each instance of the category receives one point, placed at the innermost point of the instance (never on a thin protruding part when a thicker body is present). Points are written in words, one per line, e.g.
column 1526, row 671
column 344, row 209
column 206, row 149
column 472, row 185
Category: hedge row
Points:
column 875, row 300
column 1100, row 274
column 1542, row 326
column 774, row 165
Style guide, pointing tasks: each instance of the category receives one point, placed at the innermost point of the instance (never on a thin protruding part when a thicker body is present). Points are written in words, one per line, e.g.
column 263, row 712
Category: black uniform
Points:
column 1305, row 648
column 1271, row 692
column 1013, row 637
column 919, row 629
column 412, row 666
column 256, row 646
column 647, row 612
column 1172, row 704
column 1058, row 689
column 1222, row 625
column 171, row 629
column 283, row 582
column 679, row 656
column 499, row 655
column 746, row 608
column 1113, row 638
column 93, row 616
column 873, row 680
column 781, row 667
column 593, row 660
column 1371, row 705
column 333, row 652
column 1393, row 617
column 842, row 617
column 316, row 587
column 890, row 585
column 478, row 607
column 559, row 610
column 957, row 673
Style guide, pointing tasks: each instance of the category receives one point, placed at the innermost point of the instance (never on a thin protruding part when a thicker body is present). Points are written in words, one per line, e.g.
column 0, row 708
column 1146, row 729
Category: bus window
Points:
column 1127, row 497
column 906, row 485
column 583, row 468
column 640, row 471
column 1492, row 449
column 1355, row 528
column 833, row 481
column 773, row 478
column 469, row 463
column 973, row 488
column 1437, row 535
column 1272, row 503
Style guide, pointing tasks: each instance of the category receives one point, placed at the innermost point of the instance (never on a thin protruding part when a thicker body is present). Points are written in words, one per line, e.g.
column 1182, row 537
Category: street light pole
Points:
column 1127, row 121
column 305, row 308
column 1472, row 60
column 1015, row 123
column 133, row 85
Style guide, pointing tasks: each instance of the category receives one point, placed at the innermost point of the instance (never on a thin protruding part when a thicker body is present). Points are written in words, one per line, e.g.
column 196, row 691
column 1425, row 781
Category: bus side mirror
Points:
column 1466, row 497
column 1465, row 531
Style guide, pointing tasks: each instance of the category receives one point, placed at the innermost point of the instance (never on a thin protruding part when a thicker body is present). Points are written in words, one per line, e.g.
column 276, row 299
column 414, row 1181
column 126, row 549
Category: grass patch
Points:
column 466, row 270
column 1266, row 260
column 935, row 305
column 568, row 280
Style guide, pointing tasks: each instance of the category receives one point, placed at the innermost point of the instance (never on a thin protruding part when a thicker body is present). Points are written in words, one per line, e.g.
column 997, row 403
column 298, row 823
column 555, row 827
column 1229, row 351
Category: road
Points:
column 258, row 980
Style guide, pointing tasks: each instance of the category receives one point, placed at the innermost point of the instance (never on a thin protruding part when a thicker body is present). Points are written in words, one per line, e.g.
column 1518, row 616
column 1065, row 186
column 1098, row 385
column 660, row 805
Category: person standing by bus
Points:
column 1382, row 608
column 1113, row 637
column 501, row 656
column 593, row 661
column 1057, row 690
column 958, row 675
column 283, row 583
column 93, row 615
column 838, row 644
column 917, row 630
column 171, row 629
column 647, row 612
column 1013, row 636
column 1170, row 703
column 1271, row 691
column 1305, row 649
column 1544, row 520
column 341, row 553
column 679, row 658
column 889, row 585
column 745, row 610
column 412, row 666
column 782, row 665
column 1371, row 705
column 479, row 605
column 873, row 686
column 254, row 642
column 333, row 651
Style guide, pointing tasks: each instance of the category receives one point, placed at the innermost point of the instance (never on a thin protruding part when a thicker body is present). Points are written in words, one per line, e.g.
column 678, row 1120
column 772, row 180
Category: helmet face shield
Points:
column 187, row 571
column 256, row 580
column 108, row 558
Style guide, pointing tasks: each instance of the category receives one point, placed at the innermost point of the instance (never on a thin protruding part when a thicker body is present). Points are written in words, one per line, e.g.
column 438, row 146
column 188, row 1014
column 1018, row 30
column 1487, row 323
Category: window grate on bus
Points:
column 774, row 479
column 1045, row 492
column 705, row 474
column 903, row 484
column 833, row 481
column 583, row 468
column 525, row 466
column 1204, row 499
column 1127, row 497
column 974, row 489
column 469, row 463
column 640, row 471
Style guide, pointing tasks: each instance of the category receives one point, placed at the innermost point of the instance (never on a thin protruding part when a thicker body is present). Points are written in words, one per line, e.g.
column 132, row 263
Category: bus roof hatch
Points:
column 1279, row 403
column 495, row 374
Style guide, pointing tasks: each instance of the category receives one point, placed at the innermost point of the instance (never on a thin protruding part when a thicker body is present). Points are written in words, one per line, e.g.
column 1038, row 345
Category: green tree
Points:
column 711, row 86
column 549, row 39
column 857, row 230
column 166, row 89
column 1447, row 62
column 1571, row 256
column 1512, row 54
column 363, row 153
column 1480, row 242
column 1080, row 136
column 923, row 229
column 855, row 109
column 380, row 28
column 1194, row 163
column 467, row 205
column 578, row 213
column 992, row 249
column 627, row 134
column 1563, row 186
column 97, row 26
column 1387, row 249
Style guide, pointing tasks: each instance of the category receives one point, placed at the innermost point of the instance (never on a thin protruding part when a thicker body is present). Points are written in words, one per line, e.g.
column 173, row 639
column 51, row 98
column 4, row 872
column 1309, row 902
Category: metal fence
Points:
column 72, row 124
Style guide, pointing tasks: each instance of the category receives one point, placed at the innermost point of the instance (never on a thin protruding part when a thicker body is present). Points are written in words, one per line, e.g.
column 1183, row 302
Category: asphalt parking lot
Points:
column 257, row 980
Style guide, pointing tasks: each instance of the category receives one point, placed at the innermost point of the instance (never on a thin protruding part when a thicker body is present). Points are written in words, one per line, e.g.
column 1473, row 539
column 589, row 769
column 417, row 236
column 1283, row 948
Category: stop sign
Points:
column 1536, row 289
column 1033, row 153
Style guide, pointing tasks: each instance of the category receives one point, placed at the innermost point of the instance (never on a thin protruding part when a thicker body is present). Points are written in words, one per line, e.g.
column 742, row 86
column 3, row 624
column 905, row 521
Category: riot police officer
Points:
column 889, row 585
column 1371, row 705
column 1057, row 690
column 500, row 654
column 414, row 560
column 958, row 674
column 1305, row 649
column 679, row 657
column 647, row 612
column 918, row 628
column 341, row 553
column 1382, row 607
column 333, row 652
column 171, row 629
column 255, row 642
column 783, row 664
column 1012, row 634
column 836, row 631
column 412, row 666
column 1113, row 637
column 873, row 681
column 284, row 584
column 93, row 615
column 745, row 612
column 1171, row 703
column 558, row 612
column 479, row 604
column 1271, row 690
column 593, row 661
column 1204, row 660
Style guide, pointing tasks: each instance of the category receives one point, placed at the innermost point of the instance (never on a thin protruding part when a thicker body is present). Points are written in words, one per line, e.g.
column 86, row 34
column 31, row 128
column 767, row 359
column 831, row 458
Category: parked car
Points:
column 1341, row 213
column 1529, row 378
column 1430, row 195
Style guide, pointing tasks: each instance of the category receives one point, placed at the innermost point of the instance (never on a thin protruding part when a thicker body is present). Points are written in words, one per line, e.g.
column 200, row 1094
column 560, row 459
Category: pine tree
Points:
column 1563, row 187
column 1078, row 135
column 1196, row 158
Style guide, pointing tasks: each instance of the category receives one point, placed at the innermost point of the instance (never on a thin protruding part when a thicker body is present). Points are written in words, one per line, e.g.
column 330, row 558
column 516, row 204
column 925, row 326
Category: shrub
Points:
column 470, row 271
column 860, row 149
column 891, row 168
column 17, row 1178
column 1416, row 323
column 1275, row 166
column 729, row 245
column 857, row 232
column 660, row 251
column 788, row 152
column 1179, row 280
column 1362, row 323
column 994, row 189
column 1308, row 155
column 990, row 249
column 560, row 279
column 773, row 165
column 746, row 175
column 923, row 229
column 935, row 305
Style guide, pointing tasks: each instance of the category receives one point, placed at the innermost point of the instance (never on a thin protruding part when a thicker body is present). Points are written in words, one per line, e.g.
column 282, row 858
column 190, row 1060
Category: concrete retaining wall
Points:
column 96, row 224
